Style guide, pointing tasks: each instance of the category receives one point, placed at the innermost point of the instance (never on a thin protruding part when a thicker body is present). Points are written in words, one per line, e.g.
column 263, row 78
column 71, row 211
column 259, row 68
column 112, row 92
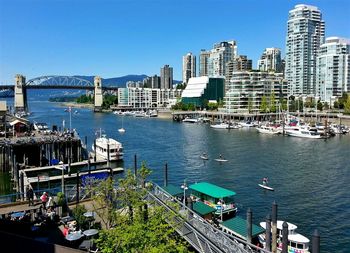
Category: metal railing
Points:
column 197, row 231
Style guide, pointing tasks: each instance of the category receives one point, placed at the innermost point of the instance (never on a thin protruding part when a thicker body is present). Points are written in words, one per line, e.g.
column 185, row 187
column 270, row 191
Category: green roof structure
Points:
column 212, row 190
column 239, row 226
column 173, row 190
column 202, row 209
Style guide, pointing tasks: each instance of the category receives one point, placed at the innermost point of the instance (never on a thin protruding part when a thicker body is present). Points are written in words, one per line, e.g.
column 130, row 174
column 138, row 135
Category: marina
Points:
column 240, row 147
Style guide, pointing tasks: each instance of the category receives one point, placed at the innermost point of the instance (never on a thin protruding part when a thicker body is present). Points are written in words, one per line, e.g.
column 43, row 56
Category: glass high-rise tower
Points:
column 306, row 31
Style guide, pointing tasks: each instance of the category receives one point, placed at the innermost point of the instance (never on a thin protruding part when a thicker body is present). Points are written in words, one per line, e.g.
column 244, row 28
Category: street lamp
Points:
column 62, row 183
column 184, row 186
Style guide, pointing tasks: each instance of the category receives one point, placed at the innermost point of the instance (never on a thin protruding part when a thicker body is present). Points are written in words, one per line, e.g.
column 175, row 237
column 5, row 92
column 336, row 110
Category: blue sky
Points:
column 115, row 38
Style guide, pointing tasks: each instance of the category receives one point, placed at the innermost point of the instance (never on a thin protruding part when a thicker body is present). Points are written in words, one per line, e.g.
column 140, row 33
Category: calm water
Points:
column 311, row 177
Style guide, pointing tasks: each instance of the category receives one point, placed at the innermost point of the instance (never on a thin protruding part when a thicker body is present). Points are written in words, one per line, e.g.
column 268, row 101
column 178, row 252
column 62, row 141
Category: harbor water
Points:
column 311, row 177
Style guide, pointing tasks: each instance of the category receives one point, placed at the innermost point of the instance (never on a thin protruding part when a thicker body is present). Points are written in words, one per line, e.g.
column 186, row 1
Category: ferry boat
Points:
column 115, row 148
column 297, row 243
column 217, row 197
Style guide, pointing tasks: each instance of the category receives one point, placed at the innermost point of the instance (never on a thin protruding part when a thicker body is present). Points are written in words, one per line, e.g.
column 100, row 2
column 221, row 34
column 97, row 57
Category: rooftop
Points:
column 239, row 226
column 212, row 190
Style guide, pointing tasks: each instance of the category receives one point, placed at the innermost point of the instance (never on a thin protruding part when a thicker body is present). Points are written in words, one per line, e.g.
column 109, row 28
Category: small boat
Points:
column 204, row 156
column 115, row 148
column 121, row 130
column 266, row 187
column 189, row 120
column 296, row 242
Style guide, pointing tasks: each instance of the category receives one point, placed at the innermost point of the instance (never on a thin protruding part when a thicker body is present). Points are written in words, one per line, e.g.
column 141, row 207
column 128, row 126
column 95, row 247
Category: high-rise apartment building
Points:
column 188, row 67
column 271, row 60
column 333, row 69
column 305, row 34
column 213, row 62
column 220, row 55
column 166, row 77
column 245, row 90
column 203, row 62
column 155, row 82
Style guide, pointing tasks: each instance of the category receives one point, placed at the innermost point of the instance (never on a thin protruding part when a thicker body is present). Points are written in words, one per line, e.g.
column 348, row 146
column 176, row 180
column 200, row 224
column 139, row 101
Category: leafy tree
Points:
column 212, row 106
column 78, row 213
column 221, row 103
column 109, row 100
column 319, row 105
column 250, row 104
column 272, row 102
column 134, row 232
column 181, row 86
column 263, row 105
column 347, row 106
column 84, row 99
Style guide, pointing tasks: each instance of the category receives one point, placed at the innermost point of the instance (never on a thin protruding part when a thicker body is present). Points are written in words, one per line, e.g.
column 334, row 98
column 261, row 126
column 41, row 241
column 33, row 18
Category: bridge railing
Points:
column 221, row 240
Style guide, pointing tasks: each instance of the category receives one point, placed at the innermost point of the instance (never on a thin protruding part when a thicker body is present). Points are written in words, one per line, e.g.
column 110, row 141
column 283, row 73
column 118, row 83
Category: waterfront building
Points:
column 220, row 55
column 166, row 77
column 203, row 62
column 155, row 82
column 239, row 63
column 144, row 98
column 271, row 60
column 333, row 69
column 247, row 88
column 305, row 34
column 203, row 89
column 188, row 67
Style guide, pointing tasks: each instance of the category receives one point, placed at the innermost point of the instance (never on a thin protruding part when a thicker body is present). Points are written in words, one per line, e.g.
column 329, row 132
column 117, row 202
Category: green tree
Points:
column 319, row 105
column 212, row 106
column 263, row 105
column 134, row 232
column 250, row 104
column 347, row 106
column 272, row 106
column 221, row 103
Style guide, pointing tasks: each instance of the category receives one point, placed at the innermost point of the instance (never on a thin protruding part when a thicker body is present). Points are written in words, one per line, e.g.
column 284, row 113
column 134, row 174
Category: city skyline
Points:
column 111, row 39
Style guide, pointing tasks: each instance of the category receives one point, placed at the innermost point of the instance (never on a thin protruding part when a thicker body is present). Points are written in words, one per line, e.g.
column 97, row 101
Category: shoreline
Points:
column 75, row 105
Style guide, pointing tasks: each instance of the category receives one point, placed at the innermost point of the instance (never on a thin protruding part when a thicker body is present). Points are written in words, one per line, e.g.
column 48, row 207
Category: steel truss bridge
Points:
column 54, row 82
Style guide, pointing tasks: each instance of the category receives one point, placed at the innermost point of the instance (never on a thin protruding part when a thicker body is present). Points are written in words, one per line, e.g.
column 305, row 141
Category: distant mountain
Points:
column 116, row 81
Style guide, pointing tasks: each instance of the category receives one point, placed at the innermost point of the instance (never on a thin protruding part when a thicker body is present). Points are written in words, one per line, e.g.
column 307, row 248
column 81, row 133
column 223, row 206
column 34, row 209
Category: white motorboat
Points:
column 296, row 242
column 190, row 120
column 247, row 124
column 115, row 148
column 268, row 129
column 121, row 130
column 225, row 126
column 305, row 132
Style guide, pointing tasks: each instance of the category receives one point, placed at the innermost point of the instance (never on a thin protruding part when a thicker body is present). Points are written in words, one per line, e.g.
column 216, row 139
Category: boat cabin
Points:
column 217, row 197
column 237, row 226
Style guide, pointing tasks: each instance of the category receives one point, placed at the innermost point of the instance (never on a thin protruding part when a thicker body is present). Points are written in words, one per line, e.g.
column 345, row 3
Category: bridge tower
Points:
column 20, row 94
column 98, row 94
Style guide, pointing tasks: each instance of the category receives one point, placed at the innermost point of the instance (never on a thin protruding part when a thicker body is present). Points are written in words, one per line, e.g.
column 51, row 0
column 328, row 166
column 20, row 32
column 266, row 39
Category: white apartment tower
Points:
column 333, row 69
column 220, row 55
column 188, row 67
column 166, row 77
column 305, row 34
column 271, row 60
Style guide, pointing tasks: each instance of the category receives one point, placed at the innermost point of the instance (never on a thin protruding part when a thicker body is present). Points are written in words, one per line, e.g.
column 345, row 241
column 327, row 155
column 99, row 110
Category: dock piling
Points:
column 285, row 237
column 166, row 175
column 274, row 227
column 135, row 166
column 249, row 225
column 316, row 242
column 77, row 182
column 268, row 233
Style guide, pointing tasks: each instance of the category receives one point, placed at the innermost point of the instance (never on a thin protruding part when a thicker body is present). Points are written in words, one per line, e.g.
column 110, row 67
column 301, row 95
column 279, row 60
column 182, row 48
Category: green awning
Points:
column 202, row 209
column 212, row 190
column 173, row 190
column 239, row 225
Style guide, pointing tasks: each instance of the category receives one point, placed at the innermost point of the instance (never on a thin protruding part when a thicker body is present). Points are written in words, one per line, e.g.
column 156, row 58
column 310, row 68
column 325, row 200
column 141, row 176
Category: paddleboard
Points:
column 221, row 160
column 266, row 187
column 204, row 157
